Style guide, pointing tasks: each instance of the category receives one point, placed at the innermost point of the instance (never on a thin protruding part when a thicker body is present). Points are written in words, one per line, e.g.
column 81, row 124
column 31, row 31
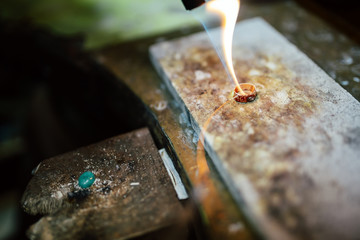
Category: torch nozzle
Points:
column 191, row 4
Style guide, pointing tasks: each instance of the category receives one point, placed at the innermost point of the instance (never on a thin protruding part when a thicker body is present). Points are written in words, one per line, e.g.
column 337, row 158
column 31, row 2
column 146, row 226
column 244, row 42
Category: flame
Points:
column 228, row 11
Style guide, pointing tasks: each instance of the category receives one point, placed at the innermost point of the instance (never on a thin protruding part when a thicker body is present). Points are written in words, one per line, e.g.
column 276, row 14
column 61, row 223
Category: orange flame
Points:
column 228, row 11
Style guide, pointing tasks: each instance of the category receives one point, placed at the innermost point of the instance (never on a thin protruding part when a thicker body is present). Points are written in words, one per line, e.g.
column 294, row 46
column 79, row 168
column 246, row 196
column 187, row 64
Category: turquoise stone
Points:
column 86, row 179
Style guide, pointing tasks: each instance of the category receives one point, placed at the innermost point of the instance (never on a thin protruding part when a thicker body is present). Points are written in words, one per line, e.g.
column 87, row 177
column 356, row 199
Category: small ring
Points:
column 248, row 93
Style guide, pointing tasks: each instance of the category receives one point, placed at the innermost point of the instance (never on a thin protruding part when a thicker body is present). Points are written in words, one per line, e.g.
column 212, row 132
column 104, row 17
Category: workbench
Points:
column 331, row 50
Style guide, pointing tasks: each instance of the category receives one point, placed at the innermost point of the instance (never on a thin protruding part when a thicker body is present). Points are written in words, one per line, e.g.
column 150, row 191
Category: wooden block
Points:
column 291, row 158
column 132, row 193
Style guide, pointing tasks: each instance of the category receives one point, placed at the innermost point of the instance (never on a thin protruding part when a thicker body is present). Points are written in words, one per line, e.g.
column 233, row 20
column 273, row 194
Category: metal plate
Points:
column 291, row 157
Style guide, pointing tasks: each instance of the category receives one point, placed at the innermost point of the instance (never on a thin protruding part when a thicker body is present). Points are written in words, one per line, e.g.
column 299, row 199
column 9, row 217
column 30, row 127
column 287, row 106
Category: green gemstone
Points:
column 86, row 179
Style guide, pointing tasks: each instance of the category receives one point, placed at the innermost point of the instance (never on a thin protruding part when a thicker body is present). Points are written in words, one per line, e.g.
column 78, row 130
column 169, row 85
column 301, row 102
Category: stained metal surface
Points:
column 286, row 156
column 331, row 49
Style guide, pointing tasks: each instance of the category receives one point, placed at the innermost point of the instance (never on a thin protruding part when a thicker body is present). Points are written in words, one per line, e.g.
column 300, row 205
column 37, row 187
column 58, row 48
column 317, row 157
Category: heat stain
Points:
column 282, row 99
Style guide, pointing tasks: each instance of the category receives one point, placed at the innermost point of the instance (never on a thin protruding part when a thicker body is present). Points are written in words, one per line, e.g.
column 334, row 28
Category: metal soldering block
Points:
column 291, row 157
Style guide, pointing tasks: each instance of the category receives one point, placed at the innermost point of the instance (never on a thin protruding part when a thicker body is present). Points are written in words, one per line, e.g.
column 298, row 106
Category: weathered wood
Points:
column 132, row 193
column 290, row 158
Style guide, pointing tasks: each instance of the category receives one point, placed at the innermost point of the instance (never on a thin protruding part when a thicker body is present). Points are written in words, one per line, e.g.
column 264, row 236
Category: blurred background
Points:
column 55, row 98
